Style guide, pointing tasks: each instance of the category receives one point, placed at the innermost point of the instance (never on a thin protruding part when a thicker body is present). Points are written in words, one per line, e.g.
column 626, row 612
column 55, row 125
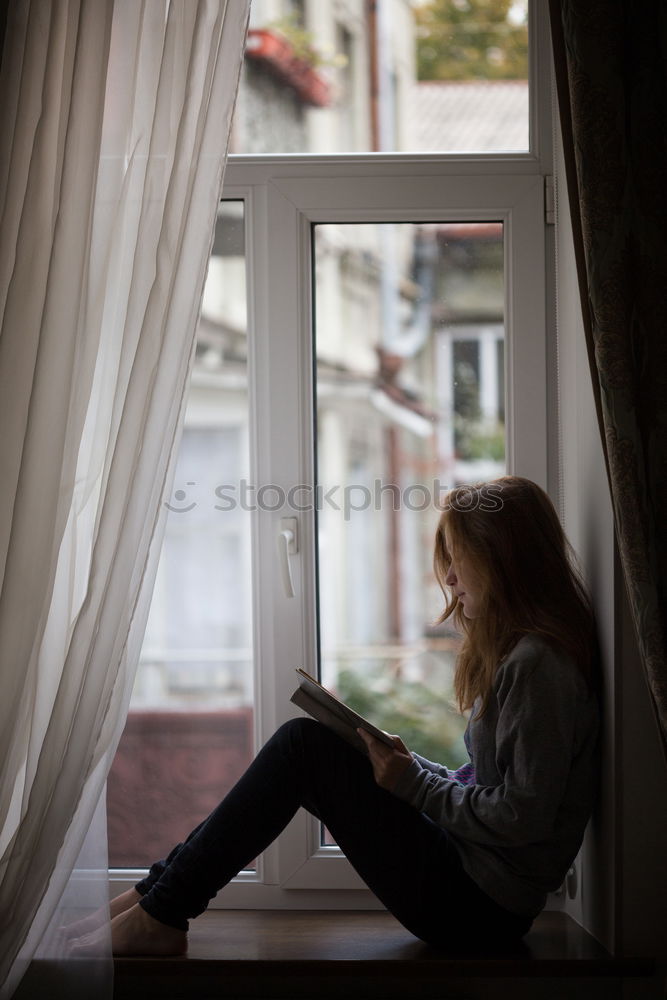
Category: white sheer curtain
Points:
column 114, row 117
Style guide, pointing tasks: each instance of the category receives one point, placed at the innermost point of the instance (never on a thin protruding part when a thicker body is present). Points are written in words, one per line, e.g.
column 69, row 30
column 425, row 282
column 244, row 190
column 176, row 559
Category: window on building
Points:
column 189, row 733
column 435, row 76
column 373, row 332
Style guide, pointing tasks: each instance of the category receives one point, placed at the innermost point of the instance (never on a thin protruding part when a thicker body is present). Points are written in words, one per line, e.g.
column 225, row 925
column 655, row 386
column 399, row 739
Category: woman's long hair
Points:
column 509, row 533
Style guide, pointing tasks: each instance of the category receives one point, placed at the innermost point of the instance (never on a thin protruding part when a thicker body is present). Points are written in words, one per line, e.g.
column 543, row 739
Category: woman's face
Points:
column 464, row 581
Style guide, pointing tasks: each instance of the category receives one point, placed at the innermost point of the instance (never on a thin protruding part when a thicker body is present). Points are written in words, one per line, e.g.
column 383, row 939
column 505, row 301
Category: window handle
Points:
column 288, row 545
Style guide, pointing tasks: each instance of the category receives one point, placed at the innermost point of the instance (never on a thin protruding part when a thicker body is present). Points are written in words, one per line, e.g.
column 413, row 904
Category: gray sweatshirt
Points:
column 517, row 815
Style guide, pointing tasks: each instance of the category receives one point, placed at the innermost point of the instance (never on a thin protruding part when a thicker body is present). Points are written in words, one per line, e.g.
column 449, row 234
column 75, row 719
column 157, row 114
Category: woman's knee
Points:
column 303, row 731
column 311, row 739
column 297, row 725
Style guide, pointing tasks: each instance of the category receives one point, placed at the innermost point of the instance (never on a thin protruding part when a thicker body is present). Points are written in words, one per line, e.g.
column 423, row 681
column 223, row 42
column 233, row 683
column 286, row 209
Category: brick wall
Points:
column 170, row 771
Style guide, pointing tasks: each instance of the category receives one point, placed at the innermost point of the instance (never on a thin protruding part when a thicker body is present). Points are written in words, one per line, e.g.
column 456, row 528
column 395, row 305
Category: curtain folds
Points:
column 115, row 117
column 611, row 72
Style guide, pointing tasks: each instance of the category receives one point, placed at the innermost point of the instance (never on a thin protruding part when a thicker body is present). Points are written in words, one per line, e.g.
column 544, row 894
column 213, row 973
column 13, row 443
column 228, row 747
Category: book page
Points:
column 346, row 715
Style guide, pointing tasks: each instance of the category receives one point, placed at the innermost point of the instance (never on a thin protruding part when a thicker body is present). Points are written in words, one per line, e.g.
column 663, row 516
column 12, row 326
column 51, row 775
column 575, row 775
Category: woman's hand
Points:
column 388, row 763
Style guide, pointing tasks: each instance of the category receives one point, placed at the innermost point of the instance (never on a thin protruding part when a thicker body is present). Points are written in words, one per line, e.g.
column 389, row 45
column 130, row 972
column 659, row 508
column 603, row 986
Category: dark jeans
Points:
column 411, row 864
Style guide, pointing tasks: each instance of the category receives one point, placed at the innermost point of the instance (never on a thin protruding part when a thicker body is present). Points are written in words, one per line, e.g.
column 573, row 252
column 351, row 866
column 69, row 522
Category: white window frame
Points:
column 284, row 197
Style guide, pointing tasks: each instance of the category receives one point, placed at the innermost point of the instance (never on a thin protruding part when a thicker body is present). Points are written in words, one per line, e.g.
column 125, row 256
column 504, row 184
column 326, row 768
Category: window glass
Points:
column 189, row 733
column 447, row 76
column 409, row 333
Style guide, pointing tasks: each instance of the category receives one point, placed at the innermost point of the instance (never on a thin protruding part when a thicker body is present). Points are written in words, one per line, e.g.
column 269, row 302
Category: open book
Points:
column 324, row 706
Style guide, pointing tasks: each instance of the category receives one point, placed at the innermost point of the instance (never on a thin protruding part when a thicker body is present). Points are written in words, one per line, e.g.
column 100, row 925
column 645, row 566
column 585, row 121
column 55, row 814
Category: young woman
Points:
column 462, row 858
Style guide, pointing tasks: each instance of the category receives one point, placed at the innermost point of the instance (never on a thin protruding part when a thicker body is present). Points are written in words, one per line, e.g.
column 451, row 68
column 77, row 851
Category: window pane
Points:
column 189, row 733
column 410, row 350
column 321, row 76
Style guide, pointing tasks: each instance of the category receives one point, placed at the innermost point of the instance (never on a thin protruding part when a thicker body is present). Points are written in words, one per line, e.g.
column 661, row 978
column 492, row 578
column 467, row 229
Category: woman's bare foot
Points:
column 101, row 917
column 133, row 932
column 119, row 904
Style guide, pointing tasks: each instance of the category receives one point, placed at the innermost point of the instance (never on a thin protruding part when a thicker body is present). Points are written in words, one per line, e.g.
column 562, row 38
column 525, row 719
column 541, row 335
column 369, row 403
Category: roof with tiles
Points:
column 461, row 117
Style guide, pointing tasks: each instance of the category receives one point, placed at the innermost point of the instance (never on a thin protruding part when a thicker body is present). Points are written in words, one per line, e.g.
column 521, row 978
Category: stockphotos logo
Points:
column 348, row 499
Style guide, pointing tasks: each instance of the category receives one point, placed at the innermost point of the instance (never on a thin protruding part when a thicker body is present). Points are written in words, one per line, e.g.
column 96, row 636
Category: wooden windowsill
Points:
column 290, row 954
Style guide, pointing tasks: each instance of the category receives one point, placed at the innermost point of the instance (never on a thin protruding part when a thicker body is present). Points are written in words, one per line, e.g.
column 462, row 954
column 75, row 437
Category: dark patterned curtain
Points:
column 611, row 72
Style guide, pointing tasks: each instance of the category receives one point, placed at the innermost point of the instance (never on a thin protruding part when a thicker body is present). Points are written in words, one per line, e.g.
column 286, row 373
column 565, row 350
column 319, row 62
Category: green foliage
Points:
column 471, row 40
column 303, row 43
column 424, row 718
column 479, row 440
